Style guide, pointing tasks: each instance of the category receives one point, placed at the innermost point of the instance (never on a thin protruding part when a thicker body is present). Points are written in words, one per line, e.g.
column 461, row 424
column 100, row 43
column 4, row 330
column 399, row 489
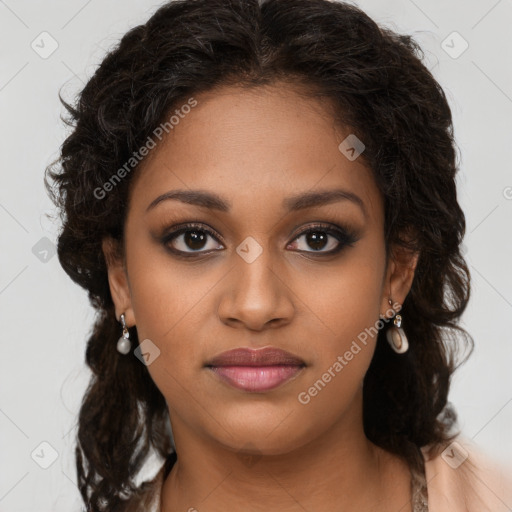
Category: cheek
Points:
column 167, row 303
column 343, row 302
column 343, row 326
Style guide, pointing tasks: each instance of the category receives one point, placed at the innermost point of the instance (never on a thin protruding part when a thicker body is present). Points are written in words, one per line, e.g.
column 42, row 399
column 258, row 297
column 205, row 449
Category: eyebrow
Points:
column 298, row 202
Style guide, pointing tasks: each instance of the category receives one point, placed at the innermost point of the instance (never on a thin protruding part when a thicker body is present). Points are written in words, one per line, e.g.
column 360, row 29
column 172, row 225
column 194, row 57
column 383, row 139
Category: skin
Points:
column 262, row 451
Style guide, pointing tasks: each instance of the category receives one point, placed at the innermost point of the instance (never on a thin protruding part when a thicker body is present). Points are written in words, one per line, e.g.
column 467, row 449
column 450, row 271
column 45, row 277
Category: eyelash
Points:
column 345, row 236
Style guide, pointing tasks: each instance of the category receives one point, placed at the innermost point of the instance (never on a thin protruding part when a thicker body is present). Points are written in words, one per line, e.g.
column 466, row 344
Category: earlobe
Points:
column 118, row 280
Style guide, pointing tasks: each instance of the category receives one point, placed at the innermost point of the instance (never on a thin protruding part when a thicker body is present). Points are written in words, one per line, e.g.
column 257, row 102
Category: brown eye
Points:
column 324, row 240
column 194, row 239
column 317, row 240
column 189, row 239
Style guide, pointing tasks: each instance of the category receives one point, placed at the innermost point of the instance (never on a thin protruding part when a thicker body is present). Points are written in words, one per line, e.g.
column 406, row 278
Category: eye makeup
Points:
column 179, row 238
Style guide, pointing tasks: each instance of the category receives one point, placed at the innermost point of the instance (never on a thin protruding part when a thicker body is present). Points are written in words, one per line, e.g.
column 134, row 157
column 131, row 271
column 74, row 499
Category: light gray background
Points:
column 45, row 317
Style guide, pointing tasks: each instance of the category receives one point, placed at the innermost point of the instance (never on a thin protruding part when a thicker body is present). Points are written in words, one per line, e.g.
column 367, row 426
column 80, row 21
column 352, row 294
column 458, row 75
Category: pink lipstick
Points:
column 256, row 370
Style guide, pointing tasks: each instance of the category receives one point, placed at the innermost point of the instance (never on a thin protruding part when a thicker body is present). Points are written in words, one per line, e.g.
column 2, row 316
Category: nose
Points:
column 256, row 295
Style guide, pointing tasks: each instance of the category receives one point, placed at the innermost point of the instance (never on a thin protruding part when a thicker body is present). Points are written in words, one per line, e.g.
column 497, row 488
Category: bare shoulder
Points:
column 462, row 477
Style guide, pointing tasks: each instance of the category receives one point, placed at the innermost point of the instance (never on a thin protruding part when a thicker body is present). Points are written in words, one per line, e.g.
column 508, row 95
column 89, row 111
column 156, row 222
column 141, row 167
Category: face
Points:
column 258, row 267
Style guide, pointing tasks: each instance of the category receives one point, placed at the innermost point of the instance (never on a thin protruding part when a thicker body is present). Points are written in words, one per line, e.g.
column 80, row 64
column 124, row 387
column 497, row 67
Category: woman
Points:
column 259, row 198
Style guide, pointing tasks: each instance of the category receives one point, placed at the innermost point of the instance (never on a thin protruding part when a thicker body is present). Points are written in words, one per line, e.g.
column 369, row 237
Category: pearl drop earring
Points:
column 124, row 344
column 396, row 336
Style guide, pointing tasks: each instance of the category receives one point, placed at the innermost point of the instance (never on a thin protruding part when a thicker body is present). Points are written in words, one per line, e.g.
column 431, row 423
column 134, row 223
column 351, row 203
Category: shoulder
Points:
column 463, row 478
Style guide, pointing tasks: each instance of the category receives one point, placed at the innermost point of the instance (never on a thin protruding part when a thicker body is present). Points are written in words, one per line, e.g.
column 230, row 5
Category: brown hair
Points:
column 389, row 99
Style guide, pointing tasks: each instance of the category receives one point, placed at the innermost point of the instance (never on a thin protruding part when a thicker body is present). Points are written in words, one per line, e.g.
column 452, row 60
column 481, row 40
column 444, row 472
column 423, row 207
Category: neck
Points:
column 337, row 470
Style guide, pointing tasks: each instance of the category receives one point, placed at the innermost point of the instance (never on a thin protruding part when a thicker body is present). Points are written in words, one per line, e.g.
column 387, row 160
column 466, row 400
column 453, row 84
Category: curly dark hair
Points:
column 380, row 88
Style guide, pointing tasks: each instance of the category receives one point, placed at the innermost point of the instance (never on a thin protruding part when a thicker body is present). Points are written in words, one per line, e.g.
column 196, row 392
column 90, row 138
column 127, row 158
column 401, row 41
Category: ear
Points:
column 398, row 280
column 118, row 280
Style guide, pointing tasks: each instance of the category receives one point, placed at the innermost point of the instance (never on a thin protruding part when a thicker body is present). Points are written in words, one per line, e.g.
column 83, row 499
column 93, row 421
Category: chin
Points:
column 260, row 437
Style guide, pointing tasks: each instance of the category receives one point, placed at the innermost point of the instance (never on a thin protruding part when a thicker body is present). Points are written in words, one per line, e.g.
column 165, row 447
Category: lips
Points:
column 256, row 370
column 268, row 356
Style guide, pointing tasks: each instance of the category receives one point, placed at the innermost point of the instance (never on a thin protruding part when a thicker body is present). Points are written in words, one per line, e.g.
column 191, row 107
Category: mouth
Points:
column 256, row 370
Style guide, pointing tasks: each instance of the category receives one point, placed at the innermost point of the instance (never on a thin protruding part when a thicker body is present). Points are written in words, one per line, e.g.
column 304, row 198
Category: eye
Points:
column 317, row 237
column 189, row 236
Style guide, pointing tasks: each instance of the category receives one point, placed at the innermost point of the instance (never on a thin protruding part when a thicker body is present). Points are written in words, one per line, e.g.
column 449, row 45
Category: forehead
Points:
column 253, row 146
